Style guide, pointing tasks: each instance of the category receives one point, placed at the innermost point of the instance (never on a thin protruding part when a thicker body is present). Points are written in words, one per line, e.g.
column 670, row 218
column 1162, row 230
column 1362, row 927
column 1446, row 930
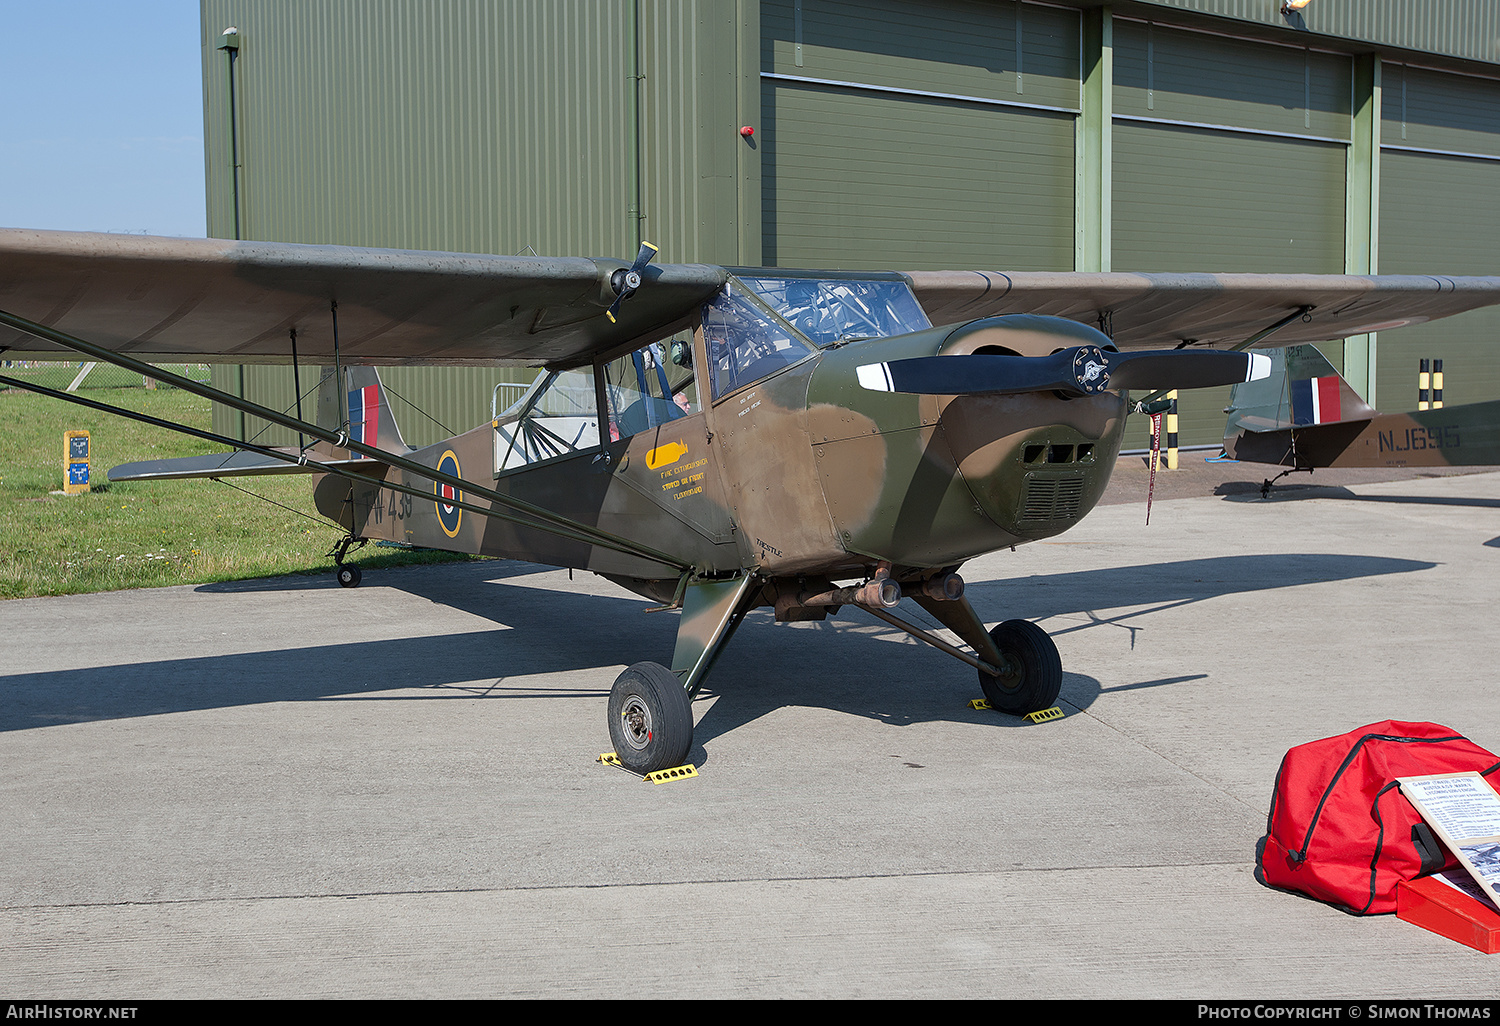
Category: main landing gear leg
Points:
column 1030, row 675
column 650, row 706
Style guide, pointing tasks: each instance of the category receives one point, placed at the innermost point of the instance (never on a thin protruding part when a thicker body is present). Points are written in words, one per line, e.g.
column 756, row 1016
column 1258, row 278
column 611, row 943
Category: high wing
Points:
column 165, row 299
column 1151, row 311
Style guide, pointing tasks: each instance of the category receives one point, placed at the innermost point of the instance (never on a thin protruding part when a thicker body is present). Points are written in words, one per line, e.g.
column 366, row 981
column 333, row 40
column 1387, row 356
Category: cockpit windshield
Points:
column 745, row 342
column 837, row 310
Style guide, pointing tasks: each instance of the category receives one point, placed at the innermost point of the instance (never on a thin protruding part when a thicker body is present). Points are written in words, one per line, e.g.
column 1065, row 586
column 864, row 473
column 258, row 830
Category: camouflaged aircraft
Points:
column 1303, row 415
column 715, row 439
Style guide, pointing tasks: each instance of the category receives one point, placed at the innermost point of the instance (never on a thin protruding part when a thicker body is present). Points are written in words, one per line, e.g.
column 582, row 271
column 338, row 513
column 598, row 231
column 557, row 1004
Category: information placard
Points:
column 1464, row 811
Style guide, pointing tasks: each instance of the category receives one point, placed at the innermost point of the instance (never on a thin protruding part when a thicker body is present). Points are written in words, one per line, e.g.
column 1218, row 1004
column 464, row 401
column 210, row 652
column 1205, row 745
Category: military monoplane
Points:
column 1303, row 416
column 714, row 439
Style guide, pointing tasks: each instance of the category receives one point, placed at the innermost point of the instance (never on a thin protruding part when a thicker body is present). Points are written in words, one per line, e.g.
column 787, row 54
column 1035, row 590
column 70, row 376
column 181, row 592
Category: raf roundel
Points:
column 449, row 516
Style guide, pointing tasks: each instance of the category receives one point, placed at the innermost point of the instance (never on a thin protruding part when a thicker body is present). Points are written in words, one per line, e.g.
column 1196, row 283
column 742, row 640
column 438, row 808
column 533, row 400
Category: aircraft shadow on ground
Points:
column 1245, row 491
column 844, row 667
column 849, row 663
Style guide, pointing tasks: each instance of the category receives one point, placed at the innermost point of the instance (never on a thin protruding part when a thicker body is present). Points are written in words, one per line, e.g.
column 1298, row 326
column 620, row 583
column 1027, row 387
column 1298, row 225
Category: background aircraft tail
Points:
column 1302, row 390
column 370, row 422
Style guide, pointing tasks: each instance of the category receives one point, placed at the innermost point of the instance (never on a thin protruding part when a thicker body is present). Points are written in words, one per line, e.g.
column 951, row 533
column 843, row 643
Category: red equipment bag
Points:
column 1341, row 831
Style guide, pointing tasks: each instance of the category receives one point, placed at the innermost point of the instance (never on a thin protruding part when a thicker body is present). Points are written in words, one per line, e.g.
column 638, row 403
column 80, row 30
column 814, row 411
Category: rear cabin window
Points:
column 556, row 417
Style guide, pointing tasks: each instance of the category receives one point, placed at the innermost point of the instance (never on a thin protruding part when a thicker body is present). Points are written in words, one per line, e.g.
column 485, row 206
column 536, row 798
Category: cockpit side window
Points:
column 744, row 342
column 651, row 386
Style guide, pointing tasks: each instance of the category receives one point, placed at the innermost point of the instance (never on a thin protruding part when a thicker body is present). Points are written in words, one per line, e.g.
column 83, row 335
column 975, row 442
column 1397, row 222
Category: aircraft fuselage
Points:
column 802, row 474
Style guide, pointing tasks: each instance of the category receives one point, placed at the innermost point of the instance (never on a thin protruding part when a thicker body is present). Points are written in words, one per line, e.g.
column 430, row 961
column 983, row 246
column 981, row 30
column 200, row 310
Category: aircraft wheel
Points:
column 1035, row 669
column 349, row 576
column 650, row 718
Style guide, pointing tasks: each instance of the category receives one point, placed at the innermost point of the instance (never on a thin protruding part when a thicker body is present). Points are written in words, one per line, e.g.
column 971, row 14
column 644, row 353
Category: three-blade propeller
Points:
column 625, row 282
column 1080, row 371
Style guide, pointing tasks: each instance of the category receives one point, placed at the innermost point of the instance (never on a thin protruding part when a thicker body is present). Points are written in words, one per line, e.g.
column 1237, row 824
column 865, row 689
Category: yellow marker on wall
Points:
column 75, row 462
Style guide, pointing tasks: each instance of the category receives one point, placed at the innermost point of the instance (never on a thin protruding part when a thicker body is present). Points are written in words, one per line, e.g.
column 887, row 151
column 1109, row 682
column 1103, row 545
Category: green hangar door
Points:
column 1228, row 156
column 1439, row 214
column 918, row 135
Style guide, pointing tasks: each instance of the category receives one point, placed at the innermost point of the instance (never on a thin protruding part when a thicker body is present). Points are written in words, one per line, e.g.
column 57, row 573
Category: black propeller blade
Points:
column 1080, row 371
column 625, row 282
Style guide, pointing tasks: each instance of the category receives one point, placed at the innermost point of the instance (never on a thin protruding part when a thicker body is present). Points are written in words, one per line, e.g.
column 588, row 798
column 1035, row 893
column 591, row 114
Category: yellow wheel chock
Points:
column 1041, row 716
column 660, row 776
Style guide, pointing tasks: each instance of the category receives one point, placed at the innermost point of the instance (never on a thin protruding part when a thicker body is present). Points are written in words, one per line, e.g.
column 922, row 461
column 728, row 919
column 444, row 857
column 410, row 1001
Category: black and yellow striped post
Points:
column 1437, row 384
column 1423, row 381
column 1172, row 431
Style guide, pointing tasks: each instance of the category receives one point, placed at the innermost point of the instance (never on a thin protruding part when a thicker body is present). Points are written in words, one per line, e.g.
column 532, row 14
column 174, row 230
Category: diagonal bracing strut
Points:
column 300, row 461
column 541, row 519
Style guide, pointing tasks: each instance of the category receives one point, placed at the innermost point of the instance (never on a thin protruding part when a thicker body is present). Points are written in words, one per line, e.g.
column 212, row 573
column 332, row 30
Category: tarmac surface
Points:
column 281, row 788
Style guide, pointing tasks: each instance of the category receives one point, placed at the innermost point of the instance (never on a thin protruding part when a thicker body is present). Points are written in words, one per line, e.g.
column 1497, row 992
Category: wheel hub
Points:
column 637, row 720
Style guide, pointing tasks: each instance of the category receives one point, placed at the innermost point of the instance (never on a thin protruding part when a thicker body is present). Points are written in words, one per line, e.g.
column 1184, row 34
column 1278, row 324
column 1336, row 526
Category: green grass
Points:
column 138, row 534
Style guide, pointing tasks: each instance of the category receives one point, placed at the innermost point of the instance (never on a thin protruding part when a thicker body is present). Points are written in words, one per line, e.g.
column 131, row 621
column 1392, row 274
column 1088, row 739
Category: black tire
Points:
column 650, row 718
column 1036, row 669
column 349, row 576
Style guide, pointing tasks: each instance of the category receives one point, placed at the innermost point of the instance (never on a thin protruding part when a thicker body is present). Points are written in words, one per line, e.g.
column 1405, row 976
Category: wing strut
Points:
column 297, row 386
column 541, row 519
column 315, row 466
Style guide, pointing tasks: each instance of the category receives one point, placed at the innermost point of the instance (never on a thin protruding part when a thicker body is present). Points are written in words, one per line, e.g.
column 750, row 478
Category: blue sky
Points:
column 101, row 116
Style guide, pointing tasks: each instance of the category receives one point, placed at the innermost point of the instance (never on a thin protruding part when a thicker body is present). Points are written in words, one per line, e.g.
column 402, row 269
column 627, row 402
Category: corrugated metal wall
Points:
column 457, row 125
column 1468, row 29
column 902, row 133
column 474, row 126
column 692, row 110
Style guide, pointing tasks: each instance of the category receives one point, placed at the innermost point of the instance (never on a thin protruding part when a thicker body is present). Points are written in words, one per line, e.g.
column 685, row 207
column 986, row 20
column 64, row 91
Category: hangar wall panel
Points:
column 1173, row 74
column 1227, row 156
column 929, row 135
column 858, row 179
column 979, row 48
column 1439, row 179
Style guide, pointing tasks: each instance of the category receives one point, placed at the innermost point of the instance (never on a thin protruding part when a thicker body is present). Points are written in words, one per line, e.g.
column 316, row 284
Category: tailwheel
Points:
column 348, row 575
column 650, row 719
column 1033, row 669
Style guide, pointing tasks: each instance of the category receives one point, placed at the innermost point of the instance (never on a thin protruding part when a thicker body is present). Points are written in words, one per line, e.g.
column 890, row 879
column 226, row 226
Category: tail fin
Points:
column 1303, row 389
column 365, row 402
